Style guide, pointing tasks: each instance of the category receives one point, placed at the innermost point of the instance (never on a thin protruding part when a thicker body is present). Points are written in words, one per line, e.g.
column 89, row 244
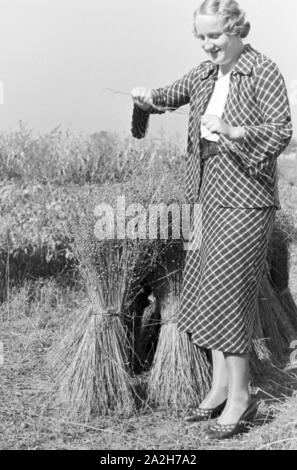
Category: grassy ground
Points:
column 29, row 419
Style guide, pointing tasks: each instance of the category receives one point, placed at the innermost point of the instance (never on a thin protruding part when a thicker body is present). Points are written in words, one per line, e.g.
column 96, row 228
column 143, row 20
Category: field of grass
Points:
column 29, row 419
column 42, row 180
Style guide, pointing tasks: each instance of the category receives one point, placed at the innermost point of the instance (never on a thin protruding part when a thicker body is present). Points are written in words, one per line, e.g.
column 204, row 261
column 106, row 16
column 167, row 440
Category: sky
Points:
column 57, row 57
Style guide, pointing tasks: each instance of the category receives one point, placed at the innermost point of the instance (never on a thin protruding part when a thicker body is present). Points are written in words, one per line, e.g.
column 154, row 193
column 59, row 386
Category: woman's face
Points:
column 221, row 48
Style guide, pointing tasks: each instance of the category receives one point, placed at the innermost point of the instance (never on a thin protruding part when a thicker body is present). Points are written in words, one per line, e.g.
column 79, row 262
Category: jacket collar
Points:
column 244, row 65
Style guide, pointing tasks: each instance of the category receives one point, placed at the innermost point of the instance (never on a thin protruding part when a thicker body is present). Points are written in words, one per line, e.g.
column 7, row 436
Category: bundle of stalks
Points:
column 284, row 235
column 276, row 320
column 180, row 374
column 276, row 323
column 289, row 306
column 261, row 356
column 260, row 360
column 91, row 371
column 90, row 363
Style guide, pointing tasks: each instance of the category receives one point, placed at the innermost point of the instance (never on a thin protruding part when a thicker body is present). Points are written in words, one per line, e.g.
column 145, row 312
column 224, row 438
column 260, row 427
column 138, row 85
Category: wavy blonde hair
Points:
column 234, row 17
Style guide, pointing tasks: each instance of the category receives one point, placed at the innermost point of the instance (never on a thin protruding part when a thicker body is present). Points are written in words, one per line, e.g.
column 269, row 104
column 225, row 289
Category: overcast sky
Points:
column 57, row 56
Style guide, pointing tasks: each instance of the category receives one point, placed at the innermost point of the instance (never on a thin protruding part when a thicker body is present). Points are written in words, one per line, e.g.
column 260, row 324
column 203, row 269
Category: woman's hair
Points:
column 233, row 15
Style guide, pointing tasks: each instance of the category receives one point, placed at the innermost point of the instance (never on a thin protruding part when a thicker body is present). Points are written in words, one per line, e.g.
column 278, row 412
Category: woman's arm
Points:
column 167, row 98
column 255, row 144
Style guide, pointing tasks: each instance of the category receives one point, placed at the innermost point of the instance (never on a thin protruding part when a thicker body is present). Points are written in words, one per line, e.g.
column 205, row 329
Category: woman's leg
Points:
column 238, row 393
column 219, row 388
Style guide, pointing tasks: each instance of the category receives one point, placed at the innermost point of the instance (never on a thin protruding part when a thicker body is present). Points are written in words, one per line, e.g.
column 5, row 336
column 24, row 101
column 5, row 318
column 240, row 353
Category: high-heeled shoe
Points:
column 204, row 414
column 225, row 431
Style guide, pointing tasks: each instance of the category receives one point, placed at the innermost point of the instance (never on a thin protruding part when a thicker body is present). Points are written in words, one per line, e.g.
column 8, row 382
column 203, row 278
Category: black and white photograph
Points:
column 148, row 228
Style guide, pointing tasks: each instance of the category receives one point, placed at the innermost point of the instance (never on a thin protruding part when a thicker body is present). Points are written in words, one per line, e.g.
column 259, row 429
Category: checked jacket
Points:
column 245, row 171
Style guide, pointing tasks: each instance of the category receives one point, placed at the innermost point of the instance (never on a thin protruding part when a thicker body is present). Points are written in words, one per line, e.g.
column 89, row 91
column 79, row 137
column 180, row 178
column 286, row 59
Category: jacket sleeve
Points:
column 270, row 138
column 168, row 98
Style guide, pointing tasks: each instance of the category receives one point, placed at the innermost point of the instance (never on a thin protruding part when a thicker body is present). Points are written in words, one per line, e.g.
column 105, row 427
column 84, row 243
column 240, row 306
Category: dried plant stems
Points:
column 92, row 373
column 92, row 367
column 180, row 375
column 278, row 329
column 290, row 307
column 90, row 363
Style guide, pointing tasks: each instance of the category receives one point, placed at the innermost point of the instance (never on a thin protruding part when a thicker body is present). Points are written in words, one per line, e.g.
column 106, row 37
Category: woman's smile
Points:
column 214, row 53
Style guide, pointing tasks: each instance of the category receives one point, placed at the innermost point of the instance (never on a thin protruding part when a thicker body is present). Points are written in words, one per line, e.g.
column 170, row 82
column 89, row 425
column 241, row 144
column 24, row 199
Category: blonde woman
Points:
column 239, row 124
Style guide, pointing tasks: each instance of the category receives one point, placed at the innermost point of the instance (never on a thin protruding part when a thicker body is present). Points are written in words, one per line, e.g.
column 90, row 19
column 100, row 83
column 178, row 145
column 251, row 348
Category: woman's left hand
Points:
column 216, row 125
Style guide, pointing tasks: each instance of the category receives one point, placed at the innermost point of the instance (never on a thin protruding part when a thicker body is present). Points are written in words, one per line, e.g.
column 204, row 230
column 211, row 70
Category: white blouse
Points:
column 217, row 103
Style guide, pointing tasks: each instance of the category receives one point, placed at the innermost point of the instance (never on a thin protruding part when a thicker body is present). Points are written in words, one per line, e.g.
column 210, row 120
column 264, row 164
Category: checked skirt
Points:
column 223, row 271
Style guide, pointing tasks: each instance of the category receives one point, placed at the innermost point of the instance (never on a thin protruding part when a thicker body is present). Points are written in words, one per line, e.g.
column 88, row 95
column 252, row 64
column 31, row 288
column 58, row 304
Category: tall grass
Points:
column 62, row 157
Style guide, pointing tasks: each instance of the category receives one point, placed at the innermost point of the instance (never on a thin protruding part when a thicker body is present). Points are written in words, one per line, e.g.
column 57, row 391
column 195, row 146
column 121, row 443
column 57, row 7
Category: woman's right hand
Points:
column 142, row 97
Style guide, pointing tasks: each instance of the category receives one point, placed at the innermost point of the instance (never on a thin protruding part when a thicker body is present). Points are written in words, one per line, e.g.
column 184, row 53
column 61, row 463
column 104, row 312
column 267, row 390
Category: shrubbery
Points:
column 44, row 181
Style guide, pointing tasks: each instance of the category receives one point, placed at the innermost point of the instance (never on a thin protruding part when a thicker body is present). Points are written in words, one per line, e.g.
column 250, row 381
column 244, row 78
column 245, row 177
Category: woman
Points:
column 239, row 124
